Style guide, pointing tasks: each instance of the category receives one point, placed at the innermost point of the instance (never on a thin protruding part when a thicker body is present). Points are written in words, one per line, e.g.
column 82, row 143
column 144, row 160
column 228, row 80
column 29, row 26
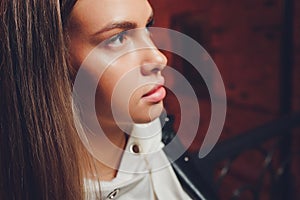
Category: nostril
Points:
column 148, row 69
column 155, row 70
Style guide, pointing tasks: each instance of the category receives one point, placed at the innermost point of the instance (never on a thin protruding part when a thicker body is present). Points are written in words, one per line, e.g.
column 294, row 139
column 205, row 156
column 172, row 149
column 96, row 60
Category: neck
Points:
column 111, row 145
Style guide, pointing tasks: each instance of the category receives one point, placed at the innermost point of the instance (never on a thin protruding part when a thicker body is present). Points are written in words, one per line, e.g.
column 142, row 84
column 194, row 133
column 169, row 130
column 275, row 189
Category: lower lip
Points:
column 158, row 95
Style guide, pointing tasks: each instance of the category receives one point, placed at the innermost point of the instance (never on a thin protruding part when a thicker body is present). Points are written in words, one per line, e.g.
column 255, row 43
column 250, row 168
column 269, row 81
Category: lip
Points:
column 155, row 95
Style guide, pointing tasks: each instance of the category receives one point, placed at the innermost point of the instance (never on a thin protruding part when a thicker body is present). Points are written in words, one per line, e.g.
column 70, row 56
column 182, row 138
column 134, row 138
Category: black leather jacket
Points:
column 185, row 166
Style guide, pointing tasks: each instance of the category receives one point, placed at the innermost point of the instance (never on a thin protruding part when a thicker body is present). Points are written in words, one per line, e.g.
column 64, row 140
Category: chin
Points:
column 149, row 114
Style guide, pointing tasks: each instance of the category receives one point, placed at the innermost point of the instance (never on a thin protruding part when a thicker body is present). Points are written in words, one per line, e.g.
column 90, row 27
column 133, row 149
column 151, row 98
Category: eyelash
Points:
column 150, row 23
column 121, row 36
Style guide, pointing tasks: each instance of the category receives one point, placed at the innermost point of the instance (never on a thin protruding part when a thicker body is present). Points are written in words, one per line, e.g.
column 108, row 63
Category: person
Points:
column 43, row 153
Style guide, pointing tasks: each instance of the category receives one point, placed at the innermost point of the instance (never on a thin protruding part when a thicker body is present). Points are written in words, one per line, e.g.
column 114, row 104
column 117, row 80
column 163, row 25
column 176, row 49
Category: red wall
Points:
column 245, row 45
column 244, row 41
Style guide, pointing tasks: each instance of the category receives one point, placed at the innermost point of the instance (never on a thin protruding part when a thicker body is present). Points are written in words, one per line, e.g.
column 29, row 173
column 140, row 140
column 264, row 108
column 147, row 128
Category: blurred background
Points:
column 256, row 47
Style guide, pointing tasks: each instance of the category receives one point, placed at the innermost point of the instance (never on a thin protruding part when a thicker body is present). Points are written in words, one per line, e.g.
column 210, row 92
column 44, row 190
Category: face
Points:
column 110, row 39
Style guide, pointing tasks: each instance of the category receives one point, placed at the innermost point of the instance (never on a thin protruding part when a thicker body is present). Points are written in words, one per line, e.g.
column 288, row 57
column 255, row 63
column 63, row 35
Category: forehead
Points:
column 94, row 14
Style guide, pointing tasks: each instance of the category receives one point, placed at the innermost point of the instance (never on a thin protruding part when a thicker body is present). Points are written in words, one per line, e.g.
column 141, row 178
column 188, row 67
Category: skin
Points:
column 126, row 80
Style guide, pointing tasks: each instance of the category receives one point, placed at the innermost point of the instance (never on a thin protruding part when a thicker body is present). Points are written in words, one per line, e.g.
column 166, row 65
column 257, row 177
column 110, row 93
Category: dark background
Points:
column 256, row 46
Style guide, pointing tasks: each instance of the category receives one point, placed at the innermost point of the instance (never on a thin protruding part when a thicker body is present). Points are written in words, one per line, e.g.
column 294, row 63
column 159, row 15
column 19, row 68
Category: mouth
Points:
column 155, row 95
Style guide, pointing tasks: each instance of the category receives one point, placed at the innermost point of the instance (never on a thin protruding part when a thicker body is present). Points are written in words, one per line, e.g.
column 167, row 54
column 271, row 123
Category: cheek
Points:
column 114, row 88
column 120, row 89
column 121, row 78
column 109, row 82
column 79, row 60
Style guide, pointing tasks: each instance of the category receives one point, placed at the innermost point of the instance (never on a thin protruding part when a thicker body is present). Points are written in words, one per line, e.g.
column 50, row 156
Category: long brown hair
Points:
column 39, row 156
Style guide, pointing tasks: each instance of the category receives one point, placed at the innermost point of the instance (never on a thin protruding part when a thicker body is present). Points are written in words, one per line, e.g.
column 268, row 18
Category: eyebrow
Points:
column 125, row 25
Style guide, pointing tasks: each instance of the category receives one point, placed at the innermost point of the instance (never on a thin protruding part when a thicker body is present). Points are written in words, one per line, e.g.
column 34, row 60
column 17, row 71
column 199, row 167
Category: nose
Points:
column 154, row 61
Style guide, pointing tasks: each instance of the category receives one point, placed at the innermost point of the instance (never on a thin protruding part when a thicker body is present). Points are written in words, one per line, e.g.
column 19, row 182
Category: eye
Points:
column 116, row 40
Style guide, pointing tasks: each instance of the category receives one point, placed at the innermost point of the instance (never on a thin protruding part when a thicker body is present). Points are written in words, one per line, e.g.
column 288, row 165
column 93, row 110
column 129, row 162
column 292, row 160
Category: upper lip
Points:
column 157, row 85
